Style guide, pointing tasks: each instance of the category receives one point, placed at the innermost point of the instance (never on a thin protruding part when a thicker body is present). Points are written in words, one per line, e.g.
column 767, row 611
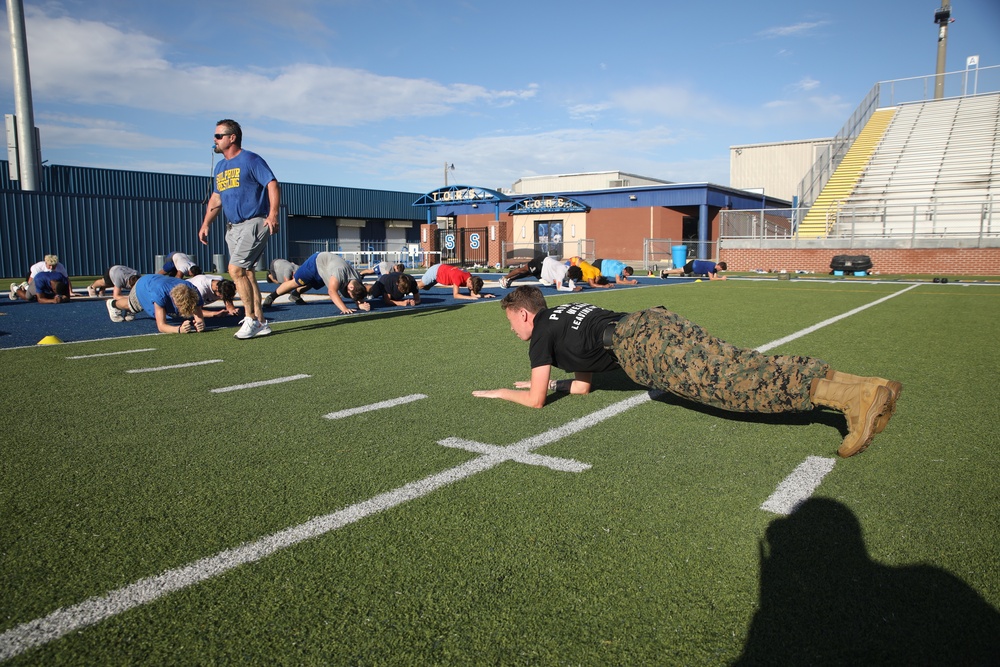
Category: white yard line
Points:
column 261, row 383
column 816, row 327
column 382, row 405
column 112, row 354
column 798, row 486
column 96, row 609
column 170, row 368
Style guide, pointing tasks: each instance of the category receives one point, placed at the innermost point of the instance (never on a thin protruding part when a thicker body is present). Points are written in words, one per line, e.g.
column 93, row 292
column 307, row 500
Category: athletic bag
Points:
column 851, row 263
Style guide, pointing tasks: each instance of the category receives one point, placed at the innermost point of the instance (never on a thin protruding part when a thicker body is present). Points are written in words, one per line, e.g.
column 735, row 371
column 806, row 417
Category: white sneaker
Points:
column 504, row 283
column 91, row 291
column 13, row 291
column 114, row 313
column 262, row 330
column 248, row 330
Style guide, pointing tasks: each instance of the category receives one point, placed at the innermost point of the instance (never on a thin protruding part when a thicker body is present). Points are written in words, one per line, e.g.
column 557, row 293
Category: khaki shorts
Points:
column 133, row 302
column 247, row 241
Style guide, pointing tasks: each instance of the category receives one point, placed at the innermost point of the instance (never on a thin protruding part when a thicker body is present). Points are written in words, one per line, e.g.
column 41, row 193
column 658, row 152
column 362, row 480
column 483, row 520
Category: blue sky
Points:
column 381, row 94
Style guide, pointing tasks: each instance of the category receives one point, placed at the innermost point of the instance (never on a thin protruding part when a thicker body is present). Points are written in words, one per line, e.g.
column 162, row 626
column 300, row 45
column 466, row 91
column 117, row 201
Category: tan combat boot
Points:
column 862, row 404
column 895, row 389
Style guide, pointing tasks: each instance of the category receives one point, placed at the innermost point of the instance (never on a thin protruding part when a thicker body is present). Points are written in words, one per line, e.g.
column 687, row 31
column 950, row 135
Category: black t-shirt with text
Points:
column 571, row 337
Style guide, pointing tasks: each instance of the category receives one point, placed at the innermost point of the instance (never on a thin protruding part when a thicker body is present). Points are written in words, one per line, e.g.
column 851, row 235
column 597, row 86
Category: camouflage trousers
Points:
column 662, row 350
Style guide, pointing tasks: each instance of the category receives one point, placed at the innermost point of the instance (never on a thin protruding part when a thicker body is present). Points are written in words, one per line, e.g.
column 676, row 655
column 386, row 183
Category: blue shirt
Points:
column 154, row 289
column 612, row 268
column 43, row 279
column 307, row 275
column 703, row 266
column 242, row 183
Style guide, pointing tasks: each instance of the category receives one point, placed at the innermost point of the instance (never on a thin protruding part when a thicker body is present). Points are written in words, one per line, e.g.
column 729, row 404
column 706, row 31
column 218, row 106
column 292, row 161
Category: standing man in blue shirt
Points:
column 246, row 189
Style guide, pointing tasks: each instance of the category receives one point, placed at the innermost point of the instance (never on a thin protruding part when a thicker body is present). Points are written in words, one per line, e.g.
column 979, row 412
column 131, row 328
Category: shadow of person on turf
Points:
column 816, row 416
column 823, row 601
column 618, row 380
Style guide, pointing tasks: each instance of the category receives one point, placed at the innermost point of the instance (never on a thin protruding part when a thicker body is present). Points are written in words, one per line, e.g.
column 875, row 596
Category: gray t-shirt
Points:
column 120, row 274
column 331, row 265
column 282, row 269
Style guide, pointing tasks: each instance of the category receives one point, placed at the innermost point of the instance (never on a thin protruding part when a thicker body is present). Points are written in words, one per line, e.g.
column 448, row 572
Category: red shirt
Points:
column 450, row 275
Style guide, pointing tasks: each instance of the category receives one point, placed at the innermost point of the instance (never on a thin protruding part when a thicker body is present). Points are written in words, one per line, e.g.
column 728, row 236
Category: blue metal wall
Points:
column 93, row 218
column 338, row 202
column 114, row 182
column 91, row 233
column 324, row 200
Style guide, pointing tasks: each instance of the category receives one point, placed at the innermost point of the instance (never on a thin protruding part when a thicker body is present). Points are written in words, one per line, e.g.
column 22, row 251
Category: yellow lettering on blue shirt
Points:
column 229, row 178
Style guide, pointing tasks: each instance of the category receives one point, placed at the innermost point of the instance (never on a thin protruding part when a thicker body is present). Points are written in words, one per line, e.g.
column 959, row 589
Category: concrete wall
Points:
column 945, row 261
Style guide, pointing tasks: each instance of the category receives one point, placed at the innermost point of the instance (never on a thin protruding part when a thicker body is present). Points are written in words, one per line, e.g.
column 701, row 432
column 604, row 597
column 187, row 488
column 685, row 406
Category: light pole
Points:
column 447, row 168
column 942, row 17
column 27, row 146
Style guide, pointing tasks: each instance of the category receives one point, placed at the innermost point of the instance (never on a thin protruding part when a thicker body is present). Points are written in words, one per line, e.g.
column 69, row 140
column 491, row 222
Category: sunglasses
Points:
column 227, row 134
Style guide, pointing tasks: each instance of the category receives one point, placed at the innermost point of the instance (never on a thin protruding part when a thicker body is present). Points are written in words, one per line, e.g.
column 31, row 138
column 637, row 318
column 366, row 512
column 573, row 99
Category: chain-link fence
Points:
column 515, row 254
column 760, row 223
column 371, row 253
column 658, row 254
column 971, row 220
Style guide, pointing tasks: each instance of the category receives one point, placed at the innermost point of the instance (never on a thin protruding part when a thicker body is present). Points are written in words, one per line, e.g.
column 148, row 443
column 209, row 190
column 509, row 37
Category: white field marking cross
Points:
column 521, row 451
column 516, row 453
column 65, row 620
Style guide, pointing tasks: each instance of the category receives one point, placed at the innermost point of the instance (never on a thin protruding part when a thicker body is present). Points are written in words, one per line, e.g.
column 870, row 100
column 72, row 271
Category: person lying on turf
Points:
column 395, row 289
column 118, row 278
column 697, row 267
column 215, row 288
column 447, row 275
column 161, row 296
column 660, row 349
column 330, row 270
column 612, row 269
column 51, row 287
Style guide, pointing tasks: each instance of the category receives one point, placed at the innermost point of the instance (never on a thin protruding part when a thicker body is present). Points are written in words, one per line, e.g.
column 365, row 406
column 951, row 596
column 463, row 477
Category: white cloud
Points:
column 299, row 117
column 500, row 160
column 806, row 83
column 802, row 110
column 63, row 131
column 588, row 112
column 79, row 61
column 671, row 102
column 795, row 30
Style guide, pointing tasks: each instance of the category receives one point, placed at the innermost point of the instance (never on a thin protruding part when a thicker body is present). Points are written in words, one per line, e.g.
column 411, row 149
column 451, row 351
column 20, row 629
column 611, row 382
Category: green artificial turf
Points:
column 657, row 554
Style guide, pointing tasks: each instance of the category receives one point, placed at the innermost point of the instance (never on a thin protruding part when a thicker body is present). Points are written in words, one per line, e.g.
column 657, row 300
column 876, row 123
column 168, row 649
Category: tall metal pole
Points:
column 26, row 147
column 942, row 17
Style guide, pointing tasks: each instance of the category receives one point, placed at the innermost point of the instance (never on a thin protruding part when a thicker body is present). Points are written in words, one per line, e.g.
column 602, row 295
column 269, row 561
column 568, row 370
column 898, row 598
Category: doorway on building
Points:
column 549, row 237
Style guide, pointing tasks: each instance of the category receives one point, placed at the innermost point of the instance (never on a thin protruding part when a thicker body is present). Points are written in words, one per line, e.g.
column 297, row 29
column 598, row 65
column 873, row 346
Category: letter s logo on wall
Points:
column 474, row 241
column 449, row 241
